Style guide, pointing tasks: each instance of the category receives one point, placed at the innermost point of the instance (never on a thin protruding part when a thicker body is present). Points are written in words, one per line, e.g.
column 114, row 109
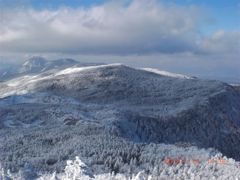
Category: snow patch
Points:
column 166, row 73
column 79, row 69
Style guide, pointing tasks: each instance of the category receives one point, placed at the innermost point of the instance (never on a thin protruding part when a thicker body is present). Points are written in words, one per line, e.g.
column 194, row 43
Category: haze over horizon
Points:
column 189, row 36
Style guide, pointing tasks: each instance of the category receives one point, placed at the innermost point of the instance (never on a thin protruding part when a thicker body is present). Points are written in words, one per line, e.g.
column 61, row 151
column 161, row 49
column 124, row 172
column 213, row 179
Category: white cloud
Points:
column 142, row 27
column 113, row 28
column 222, row 42
column 9, row 35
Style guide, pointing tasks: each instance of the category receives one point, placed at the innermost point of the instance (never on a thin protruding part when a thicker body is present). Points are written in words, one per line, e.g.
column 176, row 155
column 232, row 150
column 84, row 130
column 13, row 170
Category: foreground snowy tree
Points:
column 77, row 170
column 214, row 168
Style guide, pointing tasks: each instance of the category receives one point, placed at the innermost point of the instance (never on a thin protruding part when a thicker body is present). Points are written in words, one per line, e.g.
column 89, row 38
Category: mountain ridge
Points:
column 38, row 64
column 113, row 102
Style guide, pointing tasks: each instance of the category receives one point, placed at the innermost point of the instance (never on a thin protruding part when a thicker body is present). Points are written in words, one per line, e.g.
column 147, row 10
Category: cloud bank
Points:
column 143, row 33
column 141, row 27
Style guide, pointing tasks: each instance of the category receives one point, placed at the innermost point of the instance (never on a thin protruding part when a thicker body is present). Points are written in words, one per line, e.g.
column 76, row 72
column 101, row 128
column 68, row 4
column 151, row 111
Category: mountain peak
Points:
column 35, row 63
column 38, row 64
column 35, row 60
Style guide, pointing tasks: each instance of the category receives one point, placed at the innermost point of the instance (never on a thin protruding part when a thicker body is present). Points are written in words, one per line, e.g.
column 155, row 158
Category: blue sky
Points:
column 59, row 3
column 225, row 13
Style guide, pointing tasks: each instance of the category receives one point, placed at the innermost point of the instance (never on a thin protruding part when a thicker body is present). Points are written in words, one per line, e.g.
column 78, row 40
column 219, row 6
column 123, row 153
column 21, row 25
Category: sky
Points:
column 196, row 37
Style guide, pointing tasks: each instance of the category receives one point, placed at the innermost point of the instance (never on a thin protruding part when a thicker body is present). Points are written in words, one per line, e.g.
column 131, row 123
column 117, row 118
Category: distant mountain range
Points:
column 38, row 64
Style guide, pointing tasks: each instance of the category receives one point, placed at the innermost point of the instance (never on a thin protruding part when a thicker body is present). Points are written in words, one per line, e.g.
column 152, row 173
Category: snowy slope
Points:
column 36, row 65
column 122, row 112
column 169, row 74
column 39, row 64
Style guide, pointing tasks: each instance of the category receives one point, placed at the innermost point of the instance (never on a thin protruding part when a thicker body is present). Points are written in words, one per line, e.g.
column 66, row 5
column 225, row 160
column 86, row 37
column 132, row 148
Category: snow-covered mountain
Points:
column 115, row 118
column 38, row 64
column 34, row 64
